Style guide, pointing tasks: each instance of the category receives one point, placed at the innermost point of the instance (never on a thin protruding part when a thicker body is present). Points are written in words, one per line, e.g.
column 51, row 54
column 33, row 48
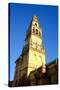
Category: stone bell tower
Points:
column 33, row 53
column 36, row 52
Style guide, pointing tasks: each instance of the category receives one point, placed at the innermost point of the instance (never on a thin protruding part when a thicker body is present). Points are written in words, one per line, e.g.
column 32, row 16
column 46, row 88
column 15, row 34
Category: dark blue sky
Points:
column 20, row 18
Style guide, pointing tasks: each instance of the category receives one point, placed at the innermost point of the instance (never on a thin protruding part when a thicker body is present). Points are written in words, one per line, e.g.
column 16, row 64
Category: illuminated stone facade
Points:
column 32, row 58
column 33, row 53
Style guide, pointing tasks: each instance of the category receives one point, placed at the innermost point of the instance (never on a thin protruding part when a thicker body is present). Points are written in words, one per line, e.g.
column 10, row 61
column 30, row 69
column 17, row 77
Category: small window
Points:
column 35, row 24
column 36, row 31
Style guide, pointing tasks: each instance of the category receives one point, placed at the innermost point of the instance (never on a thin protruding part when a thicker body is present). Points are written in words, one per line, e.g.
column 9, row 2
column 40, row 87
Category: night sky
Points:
column 20, row 18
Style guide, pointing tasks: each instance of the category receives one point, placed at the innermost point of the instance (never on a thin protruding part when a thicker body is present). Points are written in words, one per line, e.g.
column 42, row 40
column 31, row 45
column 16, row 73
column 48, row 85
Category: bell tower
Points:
column 36, row 52
column 33, row 53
